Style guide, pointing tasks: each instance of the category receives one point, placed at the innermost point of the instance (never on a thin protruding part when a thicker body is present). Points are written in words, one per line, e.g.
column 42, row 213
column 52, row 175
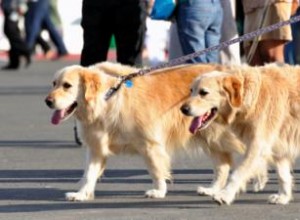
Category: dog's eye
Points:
column 67, row 85
column 203, row 92
column 53, row 83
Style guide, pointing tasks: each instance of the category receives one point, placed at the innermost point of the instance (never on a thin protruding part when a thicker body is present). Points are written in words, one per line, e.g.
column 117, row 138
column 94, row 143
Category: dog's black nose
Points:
column 185, row 109
column 49, row 102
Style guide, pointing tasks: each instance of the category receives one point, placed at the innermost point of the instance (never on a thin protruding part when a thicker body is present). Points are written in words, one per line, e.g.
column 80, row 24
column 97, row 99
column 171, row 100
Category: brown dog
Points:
column 261, row 106
column 144, row 120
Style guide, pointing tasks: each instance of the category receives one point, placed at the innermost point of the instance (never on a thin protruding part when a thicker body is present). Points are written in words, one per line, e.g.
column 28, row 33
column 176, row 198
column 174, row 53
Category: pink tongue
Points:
column 196, row 123
column 57, row 116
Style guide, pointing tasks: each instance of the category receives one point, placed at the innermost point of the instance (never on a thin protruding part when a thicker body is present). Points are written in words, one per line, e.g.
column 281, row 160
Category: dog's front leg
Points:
column 95, row 166
column 222, row 162
column 286, row 183
column 158, row 163
column 243, row 173
column 260, row 177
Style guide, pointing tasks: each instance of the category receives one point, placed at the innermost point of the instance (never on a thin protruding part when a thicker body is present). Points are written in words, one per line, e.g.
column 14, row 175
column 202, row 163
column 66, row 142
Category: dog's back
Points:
column 150, row 112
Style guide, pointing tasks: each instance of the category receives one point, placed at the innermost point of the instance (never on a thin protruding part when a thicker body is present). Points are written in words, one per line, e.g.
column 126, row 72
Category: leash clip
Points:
column 110, row 93
column 112, row 90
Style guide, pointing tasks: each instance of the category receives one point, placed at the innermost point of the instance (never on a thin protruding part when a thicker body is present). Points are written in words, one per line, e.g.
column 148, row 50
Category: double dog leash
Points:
column 127, row 78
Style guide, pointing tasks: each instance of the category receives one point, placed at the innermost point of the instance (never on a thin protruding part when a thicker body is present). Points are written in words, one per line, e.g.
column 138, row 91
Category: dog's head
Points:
column 213, row 95
column 75, row 90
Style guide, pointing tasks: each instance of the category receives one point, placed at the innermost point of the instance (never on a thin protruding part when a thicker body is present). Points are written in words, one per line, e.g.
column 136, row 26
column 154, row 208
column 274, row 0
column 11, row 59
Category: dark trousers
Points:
column 125, row 19
column 43, row 44
column 18, row 46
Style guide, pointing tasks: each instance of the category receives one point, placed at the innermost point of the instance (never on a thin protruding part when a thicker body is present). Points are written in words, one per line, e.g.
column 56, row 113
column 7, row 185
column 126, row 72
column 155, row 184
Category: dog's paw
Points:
column 259, row 183
column 279, row 199
column 206, row 191
column 156, row 194
column 79, row 196
column 224, row 197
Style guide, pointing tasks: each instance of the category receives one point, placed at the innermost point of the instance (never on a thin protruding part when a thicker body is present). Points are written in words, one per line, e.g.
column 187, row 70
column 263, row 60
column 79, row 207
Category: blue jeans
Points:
column 199, row 27
column 292, row 49
column 38, row 18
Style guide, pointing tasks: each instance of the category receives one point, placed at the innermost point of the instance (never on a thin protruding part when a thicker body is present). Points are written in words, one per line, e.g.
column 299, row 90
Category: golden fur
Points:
column 144, row 120
column 261, row 105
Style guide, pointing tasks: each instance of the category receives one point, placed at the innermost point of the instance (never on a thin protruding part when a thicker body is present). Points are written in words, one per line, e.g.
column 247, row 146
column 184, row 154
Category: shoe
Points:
column 10, row 67
column 49, row 55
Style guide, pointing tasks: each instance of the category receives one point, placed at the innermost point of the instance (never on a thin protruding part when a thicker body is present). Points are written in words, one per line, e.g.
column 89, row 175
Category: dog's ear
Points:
column 91, row 84
column 233, row 88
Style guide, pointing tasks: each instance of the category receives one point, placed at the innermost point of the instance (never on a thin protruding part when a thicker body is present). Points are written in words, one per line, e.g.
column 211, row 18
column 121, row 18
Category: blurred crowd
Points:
column 37, row 16
column 140, row 40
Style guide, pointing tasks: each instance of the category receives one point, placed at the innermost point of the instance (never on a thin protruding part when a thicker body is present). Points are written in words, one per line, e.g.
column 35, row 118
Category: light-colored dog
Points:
column 261, row 105
column 144, row 119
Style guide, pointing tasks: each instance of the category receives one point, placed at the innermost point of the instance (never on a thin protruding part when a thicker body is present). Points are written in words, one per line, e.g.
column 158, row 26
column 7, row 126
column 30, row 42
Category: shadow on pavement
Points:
column 122, row 176
column 51, row 198
column 153, row 204
column 43, row 144
column 22, row 90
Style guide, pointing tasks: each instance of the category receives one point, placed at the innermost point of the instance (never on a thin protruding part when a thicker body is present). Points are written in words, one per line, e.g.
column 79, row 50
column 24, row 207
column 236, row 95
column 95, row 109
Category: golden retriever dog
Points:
column 261, row 105
column 144, row 120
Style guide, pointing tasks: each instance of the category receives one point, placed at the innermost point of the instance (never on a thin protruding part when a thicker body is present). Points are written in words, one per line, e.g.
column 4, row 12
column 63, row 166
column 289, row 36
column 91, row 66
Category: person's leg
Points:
column 271, row 46
column 255, row 59
column 213, row 33
column 193, row 18
column 291, row 49
column 297, row 40
column 267, row 51
column 129, row 30
column 43, row 44
column 18, row 46
column 289, row 53
column 11, row 32
column 54, row 35
column 96, row 24
column 33, row 22
column 271, row 50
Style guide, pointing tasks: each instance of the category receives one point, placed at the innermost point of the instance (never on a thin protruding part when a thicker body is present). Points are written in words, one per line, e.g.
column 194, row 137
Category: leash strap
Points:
column 183, row 59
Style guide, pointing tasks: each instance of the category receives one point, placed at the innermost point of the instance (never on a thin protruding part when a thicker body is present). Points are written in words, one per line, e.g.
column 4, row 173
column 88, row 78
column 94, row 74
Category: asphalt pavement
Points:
column 40, row 162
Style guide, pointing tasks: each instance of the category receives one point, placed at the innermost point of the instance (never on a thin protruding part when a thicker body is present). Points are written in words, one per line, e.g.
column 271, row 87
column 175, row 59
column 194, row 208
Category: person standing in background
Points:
column 270, row 46
column 199, row 26
column 44, row 44
column 38, row 18
column 101, row 20
column 12, row 10
column 228, row 55
column 125, row 19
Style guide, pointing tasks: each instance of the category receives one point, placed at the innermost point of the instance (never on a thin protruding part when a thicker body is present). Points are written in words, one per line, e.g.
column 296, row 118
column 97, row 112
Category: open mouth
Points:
column 201, row 122
column 63, row 114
